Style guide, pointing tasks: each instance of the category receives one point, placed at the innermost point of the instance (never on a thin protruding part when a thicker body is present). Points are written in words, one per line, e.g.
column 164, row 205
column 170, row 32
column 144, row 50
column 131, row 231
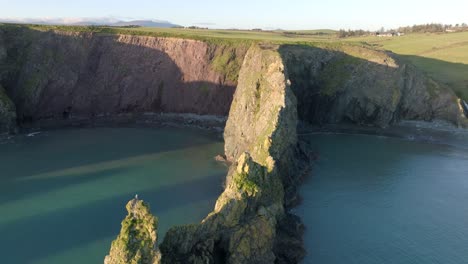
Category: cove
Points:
column 375, row 199
column 63, row 192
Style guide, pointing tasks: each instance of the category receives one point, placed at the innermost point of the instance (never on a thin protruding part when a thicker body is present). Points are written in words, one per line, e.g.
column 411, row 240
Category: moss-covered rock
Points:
column 136, row 243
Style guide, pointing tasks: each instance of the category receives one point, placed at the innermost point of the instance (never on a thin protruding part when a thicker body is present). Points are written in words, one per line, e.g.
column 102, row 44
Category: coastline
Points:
column 435, row 132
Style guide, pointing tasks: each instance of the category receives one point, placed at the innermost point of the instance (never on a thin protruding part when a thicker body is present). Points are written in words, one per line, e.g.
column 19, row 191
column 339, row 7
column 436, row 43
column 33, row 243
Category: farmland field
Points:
column 444, row 57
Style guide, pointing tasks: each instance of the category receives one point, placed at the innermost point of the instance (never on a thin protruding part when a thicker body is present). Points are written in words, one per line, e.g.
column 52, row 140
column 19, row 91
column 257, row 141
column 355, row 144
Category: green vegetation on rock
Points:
column 227, row 62
column 136, row 243
column 335, row 74
column 245, row 184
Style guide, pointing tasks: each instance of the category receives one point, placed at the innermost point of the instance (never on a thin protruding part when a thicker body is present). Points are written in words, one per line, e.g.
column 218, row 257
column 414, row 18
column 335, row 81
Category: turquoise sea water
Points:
column 63, row 193
column 385, row 200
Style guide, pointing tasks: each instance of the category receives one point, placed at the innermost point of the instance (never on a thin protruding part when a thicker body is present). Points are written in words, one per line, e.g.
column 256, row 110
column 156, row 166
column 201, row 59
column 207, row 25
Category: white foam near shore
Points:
column 441, row 125
column 33, row 134
column 189, row 116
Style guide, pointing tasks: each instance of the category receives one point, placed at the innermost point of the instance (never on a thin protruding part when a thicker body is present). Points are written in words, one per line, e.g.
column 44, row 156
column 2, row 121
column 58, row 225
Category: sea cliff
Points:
column 265, row 90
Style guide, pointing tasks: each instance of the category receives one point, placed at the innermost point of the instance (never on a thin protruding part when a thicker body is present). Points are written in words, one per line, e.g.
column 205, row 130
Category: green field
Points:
column 275, row 36
column 444, row 56
column 210, row 35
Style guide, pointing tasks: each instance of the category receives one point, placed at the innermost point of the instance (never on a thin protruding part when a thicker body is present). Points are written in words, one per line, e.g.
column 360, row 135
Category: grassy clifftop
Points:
column 443, row 56
column 214, row 36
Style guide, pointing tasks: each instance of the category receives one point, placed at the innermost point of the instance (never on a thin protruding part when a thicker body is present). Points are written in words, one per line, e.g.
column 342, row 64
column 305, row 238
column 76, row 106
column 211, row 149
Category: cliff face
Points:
column 7, row 113
column 363, row 86
column 62, row 74
column 56, row 75
column 259, row 106
column 7, row 107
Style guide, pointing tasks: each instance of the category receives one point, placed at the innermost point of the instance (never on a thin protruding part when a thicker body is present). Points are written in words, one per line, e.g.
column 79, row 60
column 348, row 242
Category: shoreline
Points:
column 209, row 123
column 436, row 132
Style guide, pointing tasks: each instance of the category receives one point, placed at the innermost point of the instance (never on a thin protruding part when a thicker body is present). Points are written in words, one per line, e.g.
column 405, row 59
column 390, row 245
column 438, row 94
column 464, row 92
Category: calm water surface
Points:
column 63, row 193
column 384, row 200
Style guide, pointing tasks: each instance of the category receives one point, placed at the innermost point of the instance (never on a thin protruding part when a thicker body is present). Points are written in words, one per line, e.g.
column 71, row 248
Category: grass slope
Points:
column 444, row 57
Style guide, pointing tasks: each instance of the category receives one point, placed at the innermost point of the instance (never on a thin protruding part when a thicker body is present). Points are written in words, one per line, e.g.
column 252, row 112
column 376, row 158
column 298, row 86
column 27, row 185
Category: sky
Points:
column 267, row 14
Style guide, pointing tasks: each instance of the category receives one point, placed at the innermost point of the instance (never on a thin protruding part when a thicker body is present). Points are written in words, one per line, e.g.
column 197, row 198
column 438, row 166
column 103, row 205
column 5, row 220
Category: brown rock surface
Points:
column 58, row 74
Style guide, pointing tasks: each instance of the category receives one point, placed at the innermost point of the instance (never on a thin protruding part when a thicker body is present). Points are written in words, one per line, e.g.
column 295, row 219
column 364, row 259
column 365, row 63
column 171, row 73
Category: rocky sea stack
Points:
column 137, row 240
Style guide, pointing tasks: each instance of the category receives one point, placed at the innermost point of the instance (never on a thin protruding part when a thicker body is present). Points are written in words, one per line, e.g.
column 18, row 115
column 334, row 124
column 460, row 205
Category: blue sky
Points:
column 286, row 14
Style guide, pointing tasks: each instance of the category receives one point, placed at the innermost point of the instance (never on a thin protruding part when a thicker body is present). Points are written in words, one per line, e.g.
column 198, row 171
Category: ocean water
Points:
column 63, row 193
column 385, row 200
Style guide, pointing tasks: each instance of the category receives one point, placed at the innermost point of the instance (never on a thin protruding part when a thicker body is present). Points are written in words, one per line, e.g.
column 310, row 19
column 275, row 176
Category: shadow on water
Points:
column 22, row 190
column 77, row 148
column 52, row 233
column 18, row 188
column 83, row 76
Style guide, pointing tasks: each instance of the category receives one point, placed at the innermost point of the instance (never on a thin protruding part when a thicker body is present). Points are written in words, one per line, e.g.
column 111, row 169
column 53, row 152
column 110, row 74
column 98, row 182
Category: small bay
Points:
column 63, row 192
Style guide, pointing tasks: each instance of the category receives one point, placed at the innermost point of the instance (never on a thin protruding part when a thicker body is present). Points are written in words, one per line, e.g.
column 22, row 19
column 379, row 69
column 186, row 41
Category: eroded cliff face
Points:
column 7, row 113
column 63, row 74
column 7, row 107
column 58, row 75
column 364, row 86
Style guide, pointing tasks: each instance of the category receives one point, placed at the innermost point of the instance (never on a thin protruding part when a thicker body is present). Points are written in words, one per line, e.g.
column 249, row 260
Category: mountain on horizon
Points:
column 145, row 23
column 93, row 22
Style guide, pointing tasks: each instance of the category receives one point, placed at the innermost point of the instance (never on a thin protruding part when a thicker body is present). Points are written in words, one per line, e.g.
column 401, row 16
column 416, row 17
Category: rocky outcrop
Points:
column 136, row 243
column 263, row 100
column 260, row 135
column 56, row 75
column 360, row 85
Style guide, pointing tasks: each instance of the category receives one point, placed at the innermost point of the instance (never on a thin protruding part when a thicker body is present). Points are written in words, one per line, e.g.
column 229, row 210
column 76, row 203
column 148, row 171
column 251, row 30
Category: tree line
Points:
column 423, row 28
column 433, row 28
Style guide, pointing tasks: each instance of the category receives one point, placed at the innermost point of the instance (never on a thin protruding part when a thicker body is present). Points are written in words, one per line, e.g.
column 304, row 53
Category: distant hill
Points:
column 93, row 22
column 145, row 23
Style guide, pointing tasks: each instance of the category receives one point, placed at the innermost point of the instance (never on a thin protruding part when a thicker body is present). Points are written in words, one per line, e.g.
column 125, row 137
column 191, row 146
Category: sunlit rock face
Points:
column 136, row 243
column 57, row 74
